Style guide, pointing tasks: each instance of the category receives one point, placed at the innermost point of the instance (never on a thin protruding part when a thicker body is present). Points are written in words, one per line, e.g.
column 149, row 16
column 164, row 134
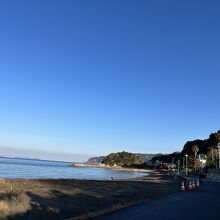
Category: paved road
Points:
column 203, row 204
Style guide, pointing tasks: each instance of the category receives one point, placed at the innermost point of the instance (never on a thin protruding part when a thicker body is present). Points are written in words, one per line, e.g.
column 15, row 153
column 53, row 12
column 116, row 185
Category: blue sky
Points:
column 94, row 77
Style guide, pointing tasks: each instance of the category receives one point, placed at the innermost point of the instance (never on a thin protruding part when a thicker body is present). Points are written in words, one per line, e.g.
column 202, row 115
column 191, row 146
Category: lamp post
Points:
column 186, row 165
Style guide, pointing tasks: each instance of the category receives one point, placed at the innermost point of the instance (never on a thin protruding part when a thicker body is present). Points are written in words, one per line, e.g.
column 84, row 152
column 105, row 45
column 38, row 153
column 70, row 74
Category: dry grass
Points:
column 76, row 199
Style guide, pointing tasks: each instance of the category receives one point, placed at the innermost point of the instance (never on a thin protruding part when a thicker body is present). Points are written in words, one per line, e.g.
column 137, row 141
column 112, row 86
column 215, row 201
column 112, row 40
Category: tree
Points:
column 195, row 150
column 123, row 159
column 211, row 157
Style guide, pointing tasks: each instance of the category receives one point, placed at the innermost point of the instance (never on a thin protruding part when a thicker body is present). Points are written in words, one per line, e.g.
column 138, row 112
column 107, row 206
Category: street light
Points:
column 186, row 165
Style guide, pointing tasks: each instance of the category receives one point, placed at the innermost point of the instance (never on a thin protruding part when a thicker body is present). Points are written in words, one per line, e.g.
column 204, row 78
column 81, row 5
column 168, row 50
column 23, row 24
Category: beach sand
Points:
column 77, row 199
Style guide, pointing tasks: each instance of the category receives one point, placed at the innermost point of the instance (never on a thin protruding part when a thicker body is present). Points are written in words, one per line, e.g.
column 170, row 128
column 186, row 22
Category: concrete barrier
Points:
column 213, row 174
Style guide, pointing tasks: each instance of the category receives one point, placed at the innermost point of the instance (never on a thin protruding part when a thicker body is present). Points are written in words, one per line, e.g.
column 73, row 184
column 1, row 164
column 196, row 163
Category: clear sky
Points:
column 94, row 77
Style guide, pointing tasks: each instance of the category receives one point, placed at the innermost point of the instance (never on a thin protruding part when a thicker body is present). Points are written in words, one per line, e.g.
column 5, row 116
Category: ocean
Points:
column 33, row 169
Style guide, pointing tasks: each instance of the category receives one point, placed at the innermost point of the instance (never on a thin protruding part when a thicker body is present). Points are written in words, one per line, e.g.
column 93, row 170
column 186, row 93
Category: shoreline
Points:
column 116, row 168
column 77, row 199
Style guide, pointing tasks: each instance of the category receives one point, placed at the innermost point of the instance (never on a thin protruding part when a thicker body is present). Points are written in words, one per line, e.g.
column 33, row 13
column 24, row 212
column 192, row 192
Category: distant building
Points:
column 149, row 164
column 169, row 166
column 202, row 159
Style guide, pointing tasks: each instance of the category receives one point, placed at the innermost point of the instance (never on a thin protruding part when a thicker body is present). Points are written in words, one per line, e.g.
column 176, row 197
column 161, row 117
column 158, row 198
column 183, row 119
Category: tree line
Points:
column 207, row 147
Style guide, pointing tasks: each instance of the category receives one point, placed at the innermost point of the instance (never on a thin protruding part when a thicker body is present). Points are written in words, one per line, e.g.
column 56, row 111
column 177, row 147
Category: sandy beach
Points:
column 77, row 199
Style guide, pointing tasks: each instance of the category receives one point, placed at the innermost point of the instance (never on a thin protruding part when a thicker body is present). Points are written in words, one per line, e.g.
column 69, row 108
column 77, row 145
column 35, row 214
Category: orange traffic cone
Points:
column 190, row 185
column 197, row 183
column 193, row 184
column 182, row 189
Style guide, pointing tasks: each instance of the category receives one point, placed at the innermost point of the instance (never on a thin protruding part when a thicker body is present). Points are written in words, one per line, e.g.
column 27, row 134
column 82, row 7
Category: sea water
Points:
column 32, row 169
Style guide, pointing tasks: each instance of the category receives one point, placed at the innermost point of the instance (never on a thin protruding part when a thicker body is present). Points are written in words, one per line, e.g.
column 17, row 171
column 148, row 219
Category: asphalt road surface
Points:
column 202, row 204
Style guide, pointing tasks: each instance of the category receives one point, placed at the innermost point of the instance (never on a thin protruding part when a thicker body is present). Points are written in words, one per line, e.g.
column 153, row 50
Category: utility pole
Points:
column 183, row 164
column 212, row 154
column 178, row 167
column 186, row 165
column 219, row 155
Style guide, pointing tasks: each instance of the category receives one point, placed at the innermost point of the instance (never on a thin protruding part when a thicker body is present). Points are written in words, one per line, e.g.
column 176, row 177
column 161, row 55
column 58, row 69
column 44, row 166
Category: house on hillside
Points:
column 202, row 159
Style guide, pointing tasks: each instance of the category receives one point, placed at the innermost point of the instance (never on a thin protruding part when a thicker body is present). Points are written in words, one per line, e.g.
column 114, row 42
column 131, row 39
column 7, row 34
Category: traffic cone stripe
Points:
column 190, row 185
column 193, row 184
column 182, row 189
